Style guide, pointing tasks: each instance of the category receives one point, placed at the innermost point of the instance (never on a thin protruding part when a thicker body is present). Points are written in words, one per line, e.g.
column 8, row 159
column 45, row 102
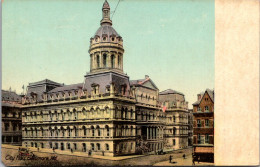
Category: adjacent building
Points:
column 107, row 113
column 203, row 126
column 190, row 129
column 176, row 127
column 11, row 118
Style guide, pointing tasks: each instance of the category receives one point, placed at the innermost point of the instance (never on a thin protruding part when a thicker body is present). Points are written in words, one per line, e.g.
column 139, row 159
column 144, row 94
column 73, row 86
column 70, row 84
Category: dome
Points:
column 107, row 31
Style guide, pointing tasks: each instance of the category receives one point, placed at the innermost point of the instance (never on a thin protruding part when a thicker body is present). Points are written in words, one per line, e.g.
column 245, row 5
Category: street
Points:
column 61, row 158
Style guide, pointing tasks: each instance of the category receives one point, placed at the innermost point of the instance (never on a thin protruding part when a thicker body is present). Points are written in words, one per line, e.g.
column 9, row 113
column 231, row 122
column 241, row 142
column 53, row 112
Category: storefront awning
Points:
column 204, row 149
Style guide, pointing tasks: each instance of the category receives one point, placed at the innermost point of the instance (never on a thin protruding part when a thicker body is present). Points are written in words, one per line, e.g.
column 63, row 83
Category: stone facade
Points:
column 176, row 128
column 203, row 126
column 11, row 118
column 107, row 114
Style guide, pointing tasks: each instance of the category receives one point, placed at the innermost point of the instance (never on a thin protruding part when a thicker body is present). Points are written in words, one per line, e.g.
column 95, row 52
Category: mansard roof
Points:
column 10, row 96
column 45, row 81
column 141, row 82
column 170, row 91
column 67, row 88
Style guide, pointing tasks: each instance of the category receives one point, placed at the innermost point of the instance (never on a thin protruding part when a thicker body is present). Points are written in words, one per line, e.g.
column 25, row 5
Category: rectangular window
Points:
column 199, row 139
column 206, row 122
column 207, row 138
column 6, row 126
column 198, row 123
column 173, row 141
column 75, row 146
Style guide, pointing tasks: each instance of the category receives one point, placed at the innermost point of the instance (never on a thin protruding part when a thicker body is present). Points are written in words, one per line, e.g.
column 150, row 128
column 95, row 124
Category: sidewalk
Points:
column 79, row 154
column 182, row 162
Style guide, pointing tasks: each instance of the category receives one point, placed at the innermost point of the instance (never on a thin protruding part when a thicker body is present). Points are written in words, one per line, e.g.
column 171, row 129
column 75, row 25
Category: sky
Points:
column 172, row 41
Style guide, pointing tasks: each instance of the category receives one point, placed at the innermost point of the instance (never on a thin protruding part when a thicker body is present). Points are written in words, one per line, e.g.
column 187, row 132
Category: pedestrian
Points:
column 89, row 153
column 53, row 149
column 193, row 160
column 71, row 150
column 38, row 149
column 184, row 156
column 170, row 159
column 103, row 153
column 198, row 159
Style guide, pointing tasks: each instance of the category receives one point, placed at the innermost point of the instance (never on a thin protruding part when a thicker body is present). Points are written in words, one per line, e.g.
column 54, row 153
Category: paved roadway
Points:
column 67, row 158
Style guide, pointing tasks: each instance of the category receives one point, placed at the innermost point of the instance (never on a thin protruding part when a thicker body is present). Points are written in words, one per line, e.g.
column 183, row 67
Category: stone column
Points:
column 151, row 133
column 91, row 61
column 108, row 60
column 116, row 61
column 101, row 65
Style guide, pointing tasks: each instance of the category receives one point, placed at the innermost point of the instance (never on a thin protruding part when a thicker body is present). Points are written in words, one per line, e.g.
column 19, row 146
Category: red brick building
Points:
column 203, row 126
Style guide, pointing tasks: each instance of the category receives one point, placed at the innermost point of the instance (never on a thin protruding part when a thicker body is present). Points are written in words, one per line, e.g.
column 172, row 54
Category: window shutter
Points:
column 211, row 139
column 195, row 140
column 211, row 123
column 194, row 124
column 202, row 123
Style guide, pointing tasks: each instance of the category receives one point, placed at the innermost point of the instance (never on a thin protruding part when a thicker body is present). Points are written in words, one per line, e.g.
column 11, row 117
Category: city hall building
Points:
column 107, row 113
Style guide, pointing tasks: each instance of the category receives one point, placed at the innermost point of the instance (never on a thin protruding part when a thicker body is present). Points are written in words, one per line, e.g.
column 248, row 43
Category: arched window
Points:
column 75, row 131
column 122, row 113
column 105, row 60
column 42, row 132
column 56, row 131
column 14, row 127
column 75, row 114
column 92, row 146
column 132, row 131
column 50, row 115
column 56, row 115
column 131, row 114
column 107, row 130
column 126, row 113
column 62, row 131
column 98, row 131
column 84, row 131
column 93, row 130
column 62, row 115
column 98, row 61
column 98, row 146
column 107, row 147
column 126, row 131
column 69, row 133
column 112, row 61
column 122, row 131
column 174, row 131
column 68, row 114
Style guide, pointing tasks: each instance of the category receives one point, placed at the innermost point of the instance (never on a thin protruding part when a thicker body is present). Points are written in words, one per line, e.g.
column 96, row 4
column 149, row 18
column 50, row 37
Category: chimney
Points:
column 199, row 96
column 146, row 76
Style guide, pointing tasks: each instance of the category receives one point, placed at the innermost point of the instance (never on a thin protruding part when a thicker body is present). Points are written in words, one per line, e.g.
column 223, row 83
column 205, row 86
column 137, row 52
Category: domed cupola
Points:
column 106, row 46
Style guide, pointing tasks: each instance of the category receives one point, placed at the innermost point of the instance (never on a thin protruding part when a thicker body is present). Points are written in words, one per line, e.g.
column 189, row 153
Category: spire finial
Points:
column 106, row 14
